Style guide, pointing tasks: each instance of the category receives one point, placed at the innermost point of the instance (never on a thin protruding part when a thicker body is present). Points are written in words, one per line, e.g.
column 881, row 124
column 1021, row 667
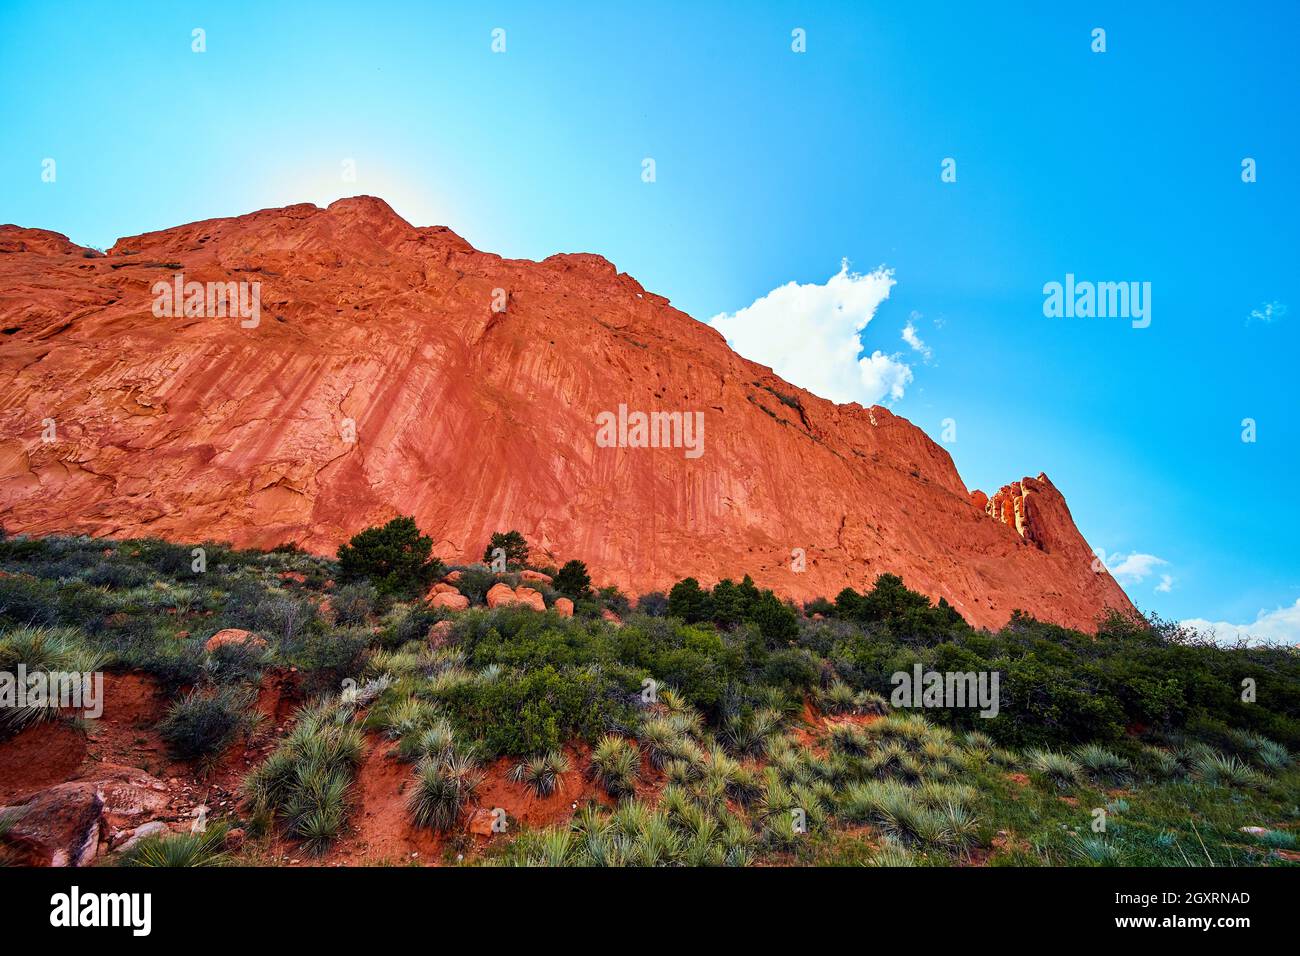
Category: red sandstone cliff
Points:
column 473, row 420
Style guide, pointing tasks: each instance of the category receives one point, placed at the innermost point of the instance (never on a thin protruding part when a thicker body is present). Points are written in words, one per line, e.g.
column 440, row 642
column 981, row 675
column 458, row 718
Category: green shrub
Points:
column 573, row 581
column 395, row 558
column 205, row 721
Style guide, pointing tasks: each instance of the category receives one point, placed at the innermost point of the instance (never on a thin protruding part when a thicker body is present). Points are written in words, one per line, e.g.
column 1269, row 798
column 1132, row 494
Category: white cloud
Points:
column 1134, row 568
column 1281, row 625
column 811, row 335
column 883, row 375
column 914, row 340
column 1268, row 312
column 1166, row 584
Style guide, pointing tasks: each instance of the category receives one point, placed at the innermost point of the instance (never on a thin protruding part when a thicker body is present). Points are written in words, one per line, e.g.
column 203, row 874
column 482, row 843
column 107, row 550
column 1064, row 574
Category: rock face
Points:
column 397, row 370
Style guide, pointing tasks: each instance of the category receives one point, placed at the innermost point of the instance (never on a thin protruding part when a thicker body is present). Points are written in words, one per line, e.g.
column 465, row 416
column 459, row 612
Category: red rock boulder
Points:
column 451, row 599
column 233, row 635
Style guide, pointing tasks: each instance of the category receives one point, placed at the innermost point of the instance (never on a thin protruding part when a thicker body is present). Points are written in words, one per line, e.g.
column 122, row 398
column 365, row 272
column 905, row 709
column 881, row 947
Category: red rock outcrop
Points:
column 380, row 380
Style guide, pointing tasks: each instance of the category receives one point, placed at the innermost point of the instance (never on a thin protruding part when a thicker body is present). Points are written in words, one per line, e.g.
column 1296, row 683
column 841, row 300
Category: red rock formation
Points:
column 380, row 381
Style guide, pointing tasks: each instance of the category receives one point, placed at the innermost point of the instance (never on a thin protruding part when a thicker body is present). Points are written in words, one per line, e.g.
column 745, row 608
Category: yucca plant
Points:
column 680, row 772
column 1101, row 763
column 408, row 717
column 541, row 774
column 443, row 790
column 661, row 739
column 866, row 802
column 615, row 765
column 838, row 698
column 934, row 793
column 317, row 808
column 436, row 741
column 1221, row 770
column 656, row 843
column 1062, row 770
column 555, row 847
column 962, row 827
column 1278, row 839
column 851, row 740
column 44, row 650
column 179, row 849
column 749, row 735
column 1260, row 750
column 1161, row 764
column 1095, row 851
column 891, row 853
column 869, row 702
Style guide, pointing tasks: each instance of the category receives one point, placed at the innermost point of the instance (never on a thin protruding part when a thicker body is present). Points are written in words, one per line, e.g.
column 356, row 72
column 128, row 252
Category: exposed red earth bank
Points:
column 474, row 421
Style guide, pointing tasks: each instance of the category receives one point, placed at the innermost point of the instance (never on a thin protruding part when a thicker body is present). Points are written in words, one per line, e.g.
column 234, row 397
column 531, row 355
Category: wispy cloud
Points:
column 811, row 335
column 1166, row 584
column 911, row 337
column 1268, row 313
column 1134, row 568
column 1281, row 625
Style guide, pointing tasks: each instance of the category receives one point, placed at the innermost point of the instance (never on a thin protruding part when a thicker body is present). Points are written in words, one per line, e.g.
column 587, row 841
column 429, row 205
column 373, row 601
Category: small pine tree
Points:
column 394, row 558
column 573, row 581
column 689, row 602
column 512, row 543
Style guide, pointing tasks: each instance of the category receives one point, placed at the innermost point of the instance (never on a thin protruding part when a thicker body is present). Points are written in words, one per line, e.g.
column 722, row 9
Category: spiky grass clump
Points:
column 1220, row 770
column 851, row 740
column 1061, row 770
column 1095, row 851
column 1100, row 763
column 179, row 850
column 541, row 774
column 891, row 853
column 1161, row 764
column 307, row 781
column 749, row 735
column 723, row 777
column 45, row 650
column 838, row 698
column 443, row 791
column 404, row 717
column 662, row 740
column 616, row 765
column 1278, row 839
column 1259, row 750
column 434, row 741
column 205, row 721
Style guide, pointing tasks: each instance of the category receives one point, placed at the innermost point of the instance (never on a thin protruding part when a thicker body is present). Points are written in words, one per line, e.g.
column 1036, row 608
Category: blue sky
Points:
column 772, row 167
